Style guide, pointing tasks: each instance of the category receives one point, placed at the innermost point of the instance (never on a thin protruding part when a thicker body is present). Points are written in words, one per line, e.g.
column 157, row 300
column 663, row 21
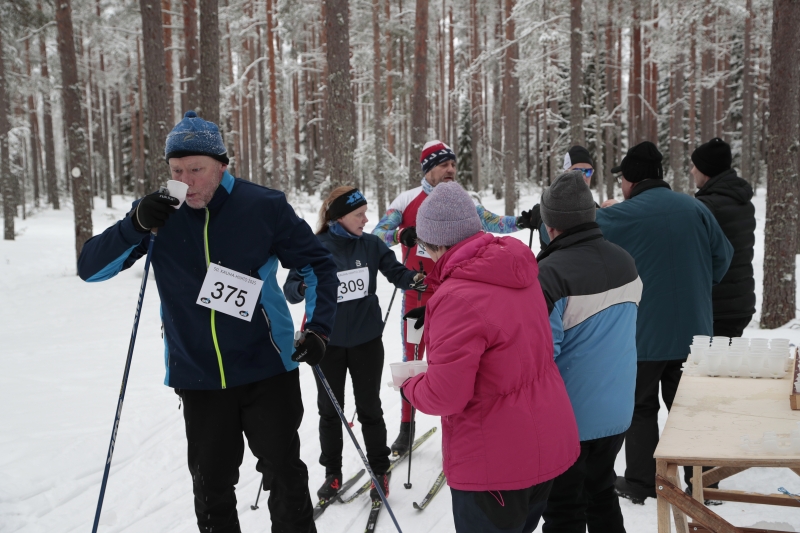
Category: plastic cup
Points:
column 714, row 364
column 755, row 362
column 775, row 366
column 701, row 340
column 698, row 353
column 413, row 336
column 733, row 363
column 178, row 190
column 400, row 373
column 417, row 367
column 740, row 341
column 759, row 343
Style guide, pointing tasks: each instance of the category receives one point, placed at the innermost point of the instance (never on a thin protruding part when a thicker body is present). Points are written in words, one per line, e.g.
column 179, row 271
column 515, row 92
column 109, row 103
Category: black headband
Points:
column 346, row 203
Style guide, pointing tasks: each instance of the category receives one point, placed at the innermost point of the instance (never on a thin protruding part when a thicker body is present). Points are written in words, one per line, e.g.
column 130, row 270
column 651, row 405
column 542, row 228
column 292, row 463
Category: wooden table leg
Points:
column 664, row 525
column 681, row 523
column 697, row 483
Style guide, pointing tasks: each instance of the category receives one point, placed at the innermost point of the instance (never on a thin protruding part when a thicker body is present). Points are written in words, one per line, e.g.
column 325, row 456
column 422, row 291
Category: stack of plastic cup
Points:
column 741, row 343
column 699, row 349
column 736, row 356
column 776, row 360
column 714, row 359
column 759, row 350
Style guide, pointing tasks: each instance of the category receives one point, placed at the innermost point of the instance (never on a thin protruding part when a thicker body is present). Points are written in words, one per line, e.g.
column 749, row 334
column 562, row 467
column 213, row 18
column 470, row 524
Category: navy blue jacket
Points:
column 357, row 321
column 592, row 291
column 247, row 228
column 680, row 252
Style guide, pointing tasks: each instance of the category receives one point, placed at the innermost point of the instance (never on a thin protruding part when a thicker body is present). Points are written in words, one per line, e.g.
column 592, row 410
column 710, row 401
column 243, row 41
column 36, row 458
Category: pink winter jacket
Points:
column 506, row 418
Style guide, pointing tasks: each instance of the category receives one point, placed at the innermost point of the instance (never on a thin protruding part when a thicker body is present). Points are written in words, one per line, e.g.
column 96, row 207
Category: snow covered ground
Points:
column 61, row 361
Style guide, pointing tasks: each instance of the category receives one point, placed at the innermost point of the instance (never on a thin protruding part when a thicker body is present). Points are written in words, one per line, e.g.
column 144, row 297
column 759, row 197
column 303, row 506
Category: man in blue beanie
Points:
column 228, row 335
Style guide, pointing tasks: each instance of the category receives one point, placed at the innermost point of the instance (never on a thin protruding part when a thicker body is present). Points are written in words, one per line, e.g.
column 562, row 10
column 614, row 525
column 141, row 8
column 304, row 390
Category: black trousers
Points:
column 268, row 412
column 641, row 438
column 584, row 495
column 365, row 363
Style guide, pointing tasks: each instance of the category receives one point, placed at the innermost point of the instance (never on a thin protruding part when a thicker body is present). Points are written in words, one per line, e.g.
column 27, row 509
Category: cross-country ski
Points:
column 434, row 490
column 321, row 505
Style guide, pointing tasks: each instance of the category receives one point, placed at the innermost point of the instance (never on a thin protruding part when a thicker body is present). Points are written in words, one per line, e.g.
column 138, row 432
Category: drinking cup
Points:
column 400, row 372
column 413, row 336
column 698, row 353
column 740, row 341
column 714, row 363
column 178, row 190
column 755, row 362
column 775, row 366
column 733, row 363
column 701, row 340
column 417, row 367
column 759, row 343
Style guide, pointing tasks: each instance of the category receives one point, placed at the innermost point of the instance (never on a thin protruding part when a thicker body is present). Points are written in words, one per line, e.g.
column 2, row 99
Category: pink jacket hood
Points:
column 507, row 422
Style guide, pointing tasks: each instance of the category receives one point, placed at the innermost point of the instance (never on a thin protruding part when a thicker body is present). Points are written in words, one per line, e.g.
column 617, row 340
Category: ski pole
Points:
column 395, row 291
column 530, row 240
column 260, row 486
column 343, row 418
column 124, row 381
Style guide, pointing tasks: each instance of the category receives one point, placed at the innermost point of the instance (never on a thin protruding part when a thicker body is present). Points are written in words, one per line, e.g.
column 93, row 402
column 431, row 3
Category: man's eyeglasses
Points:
column 586, row 171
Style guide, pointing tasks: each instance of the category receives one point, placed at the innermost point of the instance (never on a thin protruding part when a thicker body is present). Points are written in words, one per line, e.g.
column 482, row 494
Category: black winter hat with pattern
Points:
column 642, row 162
column 713, row 158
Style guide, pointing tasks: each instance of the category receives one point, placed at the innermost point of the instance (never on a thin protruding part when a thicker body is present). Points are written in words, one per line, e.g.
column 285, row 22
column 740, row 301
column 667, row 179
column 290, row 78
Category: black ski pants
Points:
column 365, row 363
column 584, row 495
column 268, row 412
column 641, row 438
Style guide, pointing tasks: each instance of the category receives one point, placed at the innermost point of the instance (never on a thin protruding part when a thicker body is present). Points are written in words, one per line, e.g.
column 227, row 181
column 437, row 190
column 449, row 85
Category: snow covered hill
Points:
column 61, row 361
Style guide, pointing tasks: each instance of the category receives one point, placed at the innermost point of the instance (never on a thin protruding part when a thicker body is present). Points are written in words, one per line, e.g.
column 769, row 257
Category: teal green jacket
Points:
column 680, row 252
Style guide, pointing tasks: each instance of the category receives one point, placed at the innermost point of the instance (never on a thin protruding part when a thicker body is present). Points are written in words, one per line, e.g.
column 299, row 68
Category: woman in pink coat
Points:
column 508, row 426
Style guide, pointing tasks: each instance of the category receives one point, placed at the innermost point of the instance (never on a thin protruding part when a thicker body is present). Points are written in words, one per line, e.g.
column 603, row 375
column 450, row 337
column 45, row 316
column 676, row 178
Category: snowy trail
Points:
column 61, row 365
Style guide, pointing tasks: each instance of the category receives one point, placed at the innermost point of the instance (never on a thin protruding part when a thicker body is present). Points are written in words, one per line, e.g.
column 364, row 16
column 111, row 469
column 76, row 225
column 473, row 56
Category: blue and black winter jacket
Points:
column 592, row 290
column 357, row 321
column 247, row 228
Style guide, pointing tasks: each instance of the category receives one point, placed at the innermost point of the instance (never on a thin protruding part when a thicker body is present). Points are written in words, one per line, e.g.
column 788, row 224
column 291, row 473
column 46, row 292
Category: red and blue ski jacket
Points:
column 247, row 228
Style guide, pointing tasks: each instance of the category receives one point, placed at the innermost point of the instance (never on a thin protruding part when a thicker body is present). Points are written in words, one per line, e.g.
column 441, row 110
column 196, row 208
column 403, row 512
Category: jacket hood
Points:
column 500, row 261
column 728, row 184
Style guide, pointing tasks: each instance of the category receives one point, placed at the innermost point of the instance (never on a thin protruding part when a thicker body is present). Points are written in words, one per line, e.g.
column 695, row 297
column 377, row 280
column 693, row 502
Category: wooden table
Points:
column 705, row 427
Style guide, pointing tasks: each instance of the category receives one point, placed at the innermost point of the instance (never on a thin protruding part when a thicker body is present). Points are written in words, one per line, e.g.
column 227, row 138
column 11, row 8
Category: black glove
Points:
column 153, row 211
column 309, row 348
column 529, row 219
column 418, row 284
column 419, row 314
column 408, row 237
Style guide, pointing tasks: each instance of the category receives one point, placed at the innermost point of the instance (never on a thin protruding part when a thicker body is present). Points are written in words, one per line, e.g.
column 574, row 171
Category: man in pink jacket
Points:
column 508, row 426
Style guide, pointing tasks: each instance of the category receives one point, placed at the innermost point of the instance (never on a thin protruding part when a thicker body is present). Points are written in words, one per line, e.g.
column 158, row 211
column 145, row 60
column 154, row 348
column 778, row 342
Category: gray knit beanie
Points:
column 447, row 216
column 568, row 202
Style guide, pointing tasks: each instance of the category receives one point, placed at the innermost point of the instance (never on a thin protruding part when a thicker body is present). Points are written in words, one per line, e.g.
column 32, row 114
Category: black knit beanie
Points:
column 577, row 154
column 642, row 162
column 713, row 158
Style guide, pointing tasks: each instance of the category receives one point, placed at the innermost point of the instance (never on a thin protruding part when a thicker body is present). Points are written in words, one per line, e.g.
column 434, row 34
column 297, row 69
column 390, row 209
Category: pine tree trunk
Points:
column 692, row 126
column 576, row 74
column 611, row 91
column 676, row 155
column 141, row 190
column 166, row 7
column 6, row 181
column 707, row 104
column 33, row 122
column 49, row 141
column 511, row 102
column 747, row 170
column 273, row 98
column 192, row 54
column 476, row 122
column 377, row 99
column 208, row 78
column 419, row 98
column 635, row 82
column 341, row 133
column 71, row 97
column 780, row 231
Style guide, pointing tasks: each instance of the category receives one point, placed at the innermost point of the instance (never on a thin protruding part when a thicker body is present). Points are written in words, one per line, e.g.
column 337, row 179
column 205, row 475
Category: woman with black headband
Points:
column 356, row 343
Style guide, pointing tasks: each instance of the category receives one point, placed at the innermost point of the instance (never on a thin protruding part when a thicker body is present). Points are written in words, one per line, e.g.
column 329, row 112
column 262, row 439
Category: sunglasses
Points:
column 586, row 171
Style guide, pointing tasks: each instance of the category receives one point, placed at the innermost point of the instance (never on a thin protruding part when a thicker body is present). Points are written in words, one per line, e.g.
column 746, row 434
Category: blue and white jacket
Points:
column 247, row 228
column 592, row 292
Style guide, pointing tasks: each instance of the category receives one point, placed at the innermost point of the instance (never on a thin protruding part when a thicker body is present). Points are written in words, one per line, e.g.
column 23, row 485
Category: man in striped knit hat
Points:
column 398, row 225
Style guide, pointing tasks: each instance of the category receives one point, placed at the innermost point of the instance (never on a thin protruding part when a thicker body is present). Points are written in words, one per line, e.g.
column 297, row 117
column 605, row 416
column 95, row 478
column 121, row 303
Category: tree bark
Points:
column 192, row 54
column 635, row 82
column 610, row 100
column 71, row 97
column 747, row 170
column 158, row 94
column 340, row 141
column 576, row 74
column 166, row 7
column 208, row 78
column 419, row 98
column 377, row 97
column 476, row 122
column 780, row 231
column 33, row 123
column 707, row 104
column 9, row 207
column 49, row 141
column 511, row 102
column 273, row 98
column 692, row 126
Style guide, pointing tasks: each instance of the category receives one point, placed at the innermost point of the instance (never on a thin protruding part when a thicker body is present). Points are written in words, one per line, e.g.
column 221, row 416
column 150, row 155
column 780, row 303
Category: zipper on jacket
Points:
column 213, row 312
column 269, row 330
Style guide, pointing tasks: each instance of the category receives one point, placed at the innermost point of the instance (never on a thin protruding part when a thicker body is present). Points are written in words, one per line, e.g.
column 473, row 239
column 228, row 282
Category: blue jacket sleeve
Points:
column 397, row 274
column 298, row 248
column 557, row 325
column 117, row 248
column 291, row 288
column 721, row 248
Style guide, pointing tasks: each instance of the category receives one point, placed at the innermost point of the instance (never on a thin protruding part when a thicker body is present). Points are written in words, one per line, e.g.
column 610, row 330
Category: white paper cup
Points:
column 413, row 336
column 417, row 367
column 178, row 190
column 400, row 373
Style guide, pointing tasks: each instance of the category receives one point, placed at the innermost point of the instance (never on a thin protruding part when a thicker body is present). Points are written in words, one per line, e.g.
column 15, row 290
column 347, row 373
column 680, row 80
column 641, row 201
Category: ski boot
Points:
column 384, row 481
column 400, row 445
column 333, row 482
column 624, row 489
